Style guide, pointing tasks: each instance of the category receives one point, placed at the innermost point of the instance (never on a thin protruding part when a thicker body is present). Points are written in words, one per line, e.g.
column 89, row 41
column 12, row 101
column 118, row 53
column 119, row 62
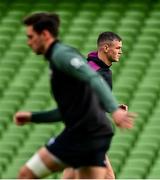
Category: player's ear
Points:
column 46, row 33
column 106, row 47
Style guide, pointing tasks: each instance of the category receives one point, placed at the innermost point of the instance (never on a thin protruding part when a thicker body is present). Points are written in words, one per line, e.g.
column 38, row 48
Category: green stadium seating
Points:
column 24, row 80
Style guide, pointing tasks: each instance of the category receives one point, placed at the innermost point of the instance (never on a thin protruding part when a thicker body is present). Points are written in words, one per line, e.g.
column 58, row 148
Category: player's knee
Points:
column 26, row 173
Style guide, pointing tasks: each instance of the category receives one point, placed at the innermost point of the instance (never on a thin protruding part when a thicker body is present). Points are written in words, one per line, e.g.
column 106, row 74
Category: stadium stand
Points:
column 24, row 79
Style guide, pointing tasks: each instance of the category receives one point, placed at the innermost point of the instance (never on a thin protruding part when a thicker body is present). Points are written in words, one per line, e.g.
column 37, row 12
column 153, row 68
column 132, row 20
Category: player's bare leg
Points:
column 69, row 173
column 91, row 172
column 40, row 165
column 109, row 170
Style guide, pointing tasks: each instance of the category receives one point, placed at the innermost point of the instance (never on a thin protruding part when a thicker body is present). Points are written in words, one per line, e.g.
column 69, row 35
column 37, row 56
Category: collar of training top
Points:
column 49, row 51
column 93, row 56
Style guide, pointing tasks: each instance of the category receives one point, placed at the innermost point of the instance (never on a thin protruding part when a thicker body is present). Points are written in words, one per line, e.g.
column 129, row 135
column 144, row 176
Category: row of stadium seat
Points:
column 24, row 83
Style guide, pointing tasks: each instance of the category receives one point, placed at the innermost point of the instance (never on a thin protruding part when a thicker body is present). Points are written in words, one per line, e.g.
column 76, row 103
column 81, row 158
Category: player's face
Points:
column 114, row 51
column 35, row 40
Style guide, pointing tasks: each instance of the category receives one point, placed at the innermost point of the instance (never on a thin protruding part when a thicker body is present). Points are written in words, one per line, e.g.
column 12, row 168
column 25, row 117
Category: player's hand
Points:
column 21, row 118
column 123, row 118
column 124, row 107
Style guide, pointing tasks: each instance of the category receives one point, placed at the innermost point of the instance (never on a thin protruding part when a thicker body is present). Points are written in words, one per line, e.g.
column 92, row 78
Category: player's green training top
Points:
column 78, row 91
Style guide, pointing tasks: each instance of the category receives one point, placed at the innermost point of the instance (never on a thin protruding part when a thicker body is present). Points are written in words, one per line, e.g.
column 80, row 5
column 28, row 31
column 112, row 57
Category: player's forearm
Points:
column 46, row 116
column 104, row 93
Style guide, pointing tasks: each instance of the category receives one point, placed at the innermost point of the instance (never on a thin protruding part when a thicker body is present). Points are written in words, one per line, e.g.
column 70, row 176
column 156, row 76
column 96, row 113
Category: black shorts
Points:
column 76, row 152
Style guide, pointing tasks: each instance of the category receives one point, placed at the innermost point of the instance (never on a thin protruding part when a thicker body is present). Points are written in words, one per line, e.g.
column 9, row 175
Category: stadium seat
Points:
column 132, row 173
column 24, row 79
